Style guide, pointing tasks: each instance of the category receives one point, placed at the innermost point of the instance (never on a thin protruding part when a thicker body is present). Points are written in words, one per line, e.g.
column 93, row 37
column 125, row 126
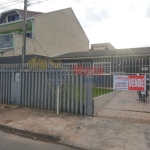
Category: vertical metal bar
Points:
column 3, row 87
column 126, row 65
column 49, row 91
column 149, row 79
column 68, row 92
column 60, row 97
column 64, row 100
column 45, row 89
column 6, row 87
column 26, row 103
column 42, row 89
column 81, row 96
column 85, row 98
column 132, row 66
column 135, row 65
column 72, row 93
column 22, row 100
column 29, row 89
column 9, row 87
column 57, row 99
column 129, row 70
column 77, row 86
column 39, row 91
column 53, row 92
column 35, row 91
column 32, row 88
column 142, row 66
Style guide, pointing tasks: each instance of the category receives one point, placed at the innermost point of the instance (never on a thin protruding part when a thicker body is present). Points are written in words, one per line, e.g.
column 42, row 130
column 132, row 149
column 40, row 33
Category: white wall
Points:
column 59, row 32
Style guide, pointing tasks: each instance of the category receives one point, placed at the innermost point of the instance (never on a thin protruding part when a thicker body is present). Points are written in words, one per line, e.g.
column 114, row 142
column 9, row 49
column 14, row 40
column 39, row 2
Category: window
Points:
column 29, row 34
column 13, row 17
column 7, row 38
column 6, row 41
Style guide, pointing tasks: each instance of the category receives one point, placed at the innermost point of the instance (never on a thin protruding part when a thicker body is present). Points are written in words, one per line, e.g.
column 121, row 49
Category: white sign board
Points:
column 120, row 82
column 144, row 68
column 129, row 82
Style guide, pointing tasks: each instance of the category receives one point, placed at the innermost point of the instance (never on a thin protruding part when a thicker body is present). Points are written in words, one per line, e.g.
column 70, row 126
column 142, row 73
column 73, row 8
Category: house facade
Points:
column 102, row 46
column 123, row 61
column 48, row 34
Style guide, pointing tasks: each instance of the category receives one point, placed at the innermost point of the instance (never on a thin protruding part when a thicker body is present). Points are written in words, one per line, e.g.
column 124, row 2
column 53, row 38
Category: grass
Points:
column 95, row 92
column 79, row 94
column 100, row 91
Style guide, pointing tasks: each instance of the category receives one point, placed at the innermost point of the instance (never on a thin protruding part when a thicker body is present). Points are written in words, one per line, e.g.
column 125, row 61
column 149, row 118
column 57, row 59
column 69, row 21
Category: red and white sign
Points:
column 137, row 83
column 131, row 82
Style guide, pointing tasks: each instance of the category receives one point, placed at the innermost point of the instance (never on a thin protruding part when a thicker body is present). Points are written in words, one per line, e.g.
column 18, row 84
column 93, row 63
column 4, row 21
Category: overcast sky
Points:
column 123, row 23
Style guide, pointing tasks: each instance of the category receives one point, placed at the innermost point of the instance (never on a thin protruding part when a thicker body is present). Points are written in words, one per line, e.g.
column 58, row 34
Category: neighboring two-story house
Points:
column 48, row 34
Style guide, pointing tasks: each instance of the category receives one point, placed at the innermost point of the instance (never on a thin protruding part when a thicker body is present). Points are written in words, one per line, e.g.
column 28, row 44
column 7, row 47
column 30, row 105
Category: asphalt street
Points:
column 14, row 142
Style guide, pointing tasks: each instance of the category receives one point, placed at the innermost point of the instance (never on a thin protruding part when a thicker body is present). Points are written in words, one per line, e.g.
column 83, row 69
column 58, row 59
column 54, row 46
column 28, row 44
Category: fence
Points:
column 128, row 103
column 35, row 86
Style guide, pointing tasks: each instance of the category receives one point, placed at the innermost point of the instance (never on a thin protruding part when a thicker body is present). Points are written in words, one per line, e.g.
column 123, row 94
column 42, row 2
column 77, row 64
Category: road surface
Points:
column 14, row 142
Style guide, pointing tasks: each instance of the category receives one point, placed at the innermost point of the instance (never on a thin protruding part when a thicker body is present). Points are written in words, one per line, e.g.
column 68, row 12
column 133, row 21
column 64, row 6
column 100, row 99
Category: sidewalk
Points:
column 125, row 105
column 92, row 132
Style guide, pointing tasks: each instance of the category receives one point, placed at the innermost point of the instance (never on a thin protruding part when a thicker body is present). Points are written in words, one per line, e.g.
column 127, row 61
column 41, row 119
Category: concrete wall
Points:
column 102, row 100
column 18, row 45
column 59, row 32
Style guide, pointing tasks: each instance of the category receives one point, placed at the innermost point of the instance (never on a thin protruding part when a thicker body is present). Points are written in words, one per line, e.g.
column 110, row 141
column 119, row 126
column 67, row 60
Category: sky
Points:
column 123, row 23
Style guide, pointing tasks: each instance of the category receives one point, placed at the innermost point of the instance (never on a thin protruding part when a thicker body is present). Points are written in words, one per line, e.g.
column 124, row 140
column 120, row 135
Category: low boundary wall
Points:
column 102, row 100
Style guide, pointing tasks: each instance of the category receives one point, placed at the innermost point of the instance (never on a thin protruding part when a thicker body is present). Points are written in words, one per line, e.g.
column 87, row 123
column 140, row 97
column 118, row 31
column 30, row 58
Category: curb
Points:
column 74, row 146
column 41, row 136
column 31, row 134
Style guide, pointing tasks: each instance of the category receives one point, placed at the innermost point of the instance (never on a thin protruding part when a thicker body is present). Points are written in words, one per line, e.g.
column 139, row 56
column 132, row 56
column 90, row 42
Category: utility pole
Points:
column 24, row 31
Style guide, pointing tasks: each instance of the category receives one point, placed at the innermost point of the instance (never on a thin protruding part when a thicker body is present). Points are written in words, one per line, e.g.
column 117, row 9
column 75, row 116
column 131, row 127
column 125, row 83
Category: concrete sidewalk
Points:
column 92, row 132
column 125, row 105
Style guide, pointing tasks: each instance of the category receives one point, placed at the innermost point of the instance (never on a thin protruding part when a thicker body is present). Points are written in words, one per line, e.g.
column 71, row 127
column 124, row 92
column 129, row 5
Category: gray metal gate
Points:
column 123, row 104
column 36, row 88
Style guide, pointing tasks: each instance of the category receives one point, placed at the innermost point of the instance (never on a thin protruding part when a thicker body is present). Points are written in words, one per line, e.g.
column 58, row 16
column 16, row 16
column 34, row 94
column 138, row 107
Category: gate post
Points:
column 16, row 88
column 89, row 100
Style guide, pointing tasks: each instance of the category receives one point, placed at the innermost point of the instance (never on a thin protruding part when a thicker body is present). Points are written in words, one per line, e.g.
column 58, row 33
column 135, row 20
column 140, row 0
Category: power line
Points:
column 21, row 2
column 10, row 5
column 40, row 45
column 39, row 2
column 7, row 2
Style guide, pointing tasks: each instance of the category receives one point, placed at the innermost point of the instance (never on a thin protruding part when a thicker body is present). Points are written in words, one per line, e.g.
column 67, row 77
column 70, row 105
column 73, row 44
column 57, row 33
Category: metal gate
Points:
column 36, row 86
column 123, row 104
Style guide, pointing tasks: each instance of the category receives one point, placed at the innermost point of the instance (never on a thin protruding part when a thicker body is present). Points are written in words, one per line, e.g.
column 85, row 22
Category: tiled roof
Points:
column 20, row 12
column 107, row 53
column 29, row 13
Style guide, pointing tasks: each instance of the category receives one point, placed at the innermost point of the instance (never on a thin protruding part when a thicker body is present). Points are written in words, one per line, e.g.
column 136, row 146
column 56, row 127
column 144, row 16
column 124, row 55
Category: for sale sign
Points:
column 120, row 82
column 131, row 82
column 137, row 83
